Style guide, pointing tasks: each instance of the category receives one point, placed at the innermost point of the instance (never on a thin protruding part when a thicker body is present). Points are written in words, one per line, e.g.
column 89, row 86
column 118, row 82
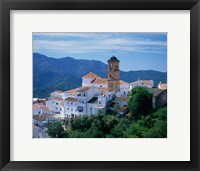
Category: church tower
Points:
column 113, row 74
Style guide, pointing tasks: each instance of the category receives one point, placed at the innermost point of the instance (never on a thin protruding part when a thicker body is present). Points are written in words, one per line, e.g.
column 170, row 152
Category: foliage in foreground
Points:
column 141, row 122
column 140, row 101
column 153, row 125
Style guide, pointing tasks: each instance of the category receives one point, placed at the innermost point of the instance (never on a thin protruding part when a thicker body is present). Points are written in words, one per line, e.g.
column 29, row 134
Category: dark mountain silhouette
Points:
column 50, row 74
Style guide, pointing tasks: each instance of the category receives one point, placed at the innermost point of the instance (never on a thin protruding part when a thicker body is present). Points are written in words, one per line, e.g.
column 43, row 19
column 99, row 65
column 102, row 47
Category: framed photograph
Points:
column 99, row 85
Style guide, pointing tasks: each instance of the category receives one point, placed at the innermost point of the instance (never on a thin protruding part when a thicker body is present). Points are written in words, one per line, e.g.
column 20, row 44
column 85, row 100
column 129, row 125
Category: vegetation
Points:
column 142, row 122
column 56, row 130
column 140, row 101
column 153, row 125
column 50, row 74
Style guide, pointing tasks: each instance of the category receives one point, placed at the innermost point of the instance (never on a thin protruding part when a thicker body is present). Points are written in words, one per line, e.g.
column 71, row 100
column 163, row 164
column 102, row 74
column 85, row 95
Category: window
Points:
column 60, row 109
column 56, row 108
column 84, row 94
column 100, row 85
column 80, row 108
column 71, row 109
column 91, row 110
column 109, row 95
column 56, row 103
column 124, row 92
column 116, row 67
column 71, row 103
column 99, row 102
column 67, row 108
column 52, row 102
column 82, row 101
column 110, row 66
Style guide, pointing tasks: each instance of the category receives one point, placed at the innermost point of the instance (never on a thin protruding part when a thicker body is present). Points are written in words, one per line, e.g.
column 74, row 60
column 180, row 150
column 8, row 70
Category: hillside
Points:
column 50, row 74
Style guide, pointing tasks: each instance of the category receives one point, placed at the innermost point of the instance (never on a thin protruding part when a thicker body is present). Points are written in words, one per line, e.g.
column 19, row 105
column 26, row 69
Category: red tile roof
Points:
column 83, row 89
column 91, row 75
column 100, row 81
column 36, row 106
column 71, row 99
column 73, row 91
column 146, row 82
column 163, row 86
column 56, row 98
column 103, row 90
column 123, row 82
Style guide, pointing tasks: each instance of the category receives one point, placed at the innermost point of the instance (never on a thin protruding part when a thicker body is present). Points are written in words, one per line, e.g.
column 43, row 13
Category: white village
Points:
column 96, row 93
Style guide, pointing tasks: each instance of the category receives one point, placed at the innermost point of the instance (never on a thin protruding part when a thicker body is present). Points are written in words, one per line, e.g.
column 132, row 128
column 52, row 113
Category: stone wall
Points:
column 159, row 99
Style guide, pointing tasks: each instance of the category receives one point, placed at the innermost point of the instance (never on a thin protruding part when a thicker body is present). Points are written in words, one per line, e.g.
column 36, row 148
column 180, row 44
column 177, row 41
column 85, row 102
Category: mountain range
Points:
column 50, row 74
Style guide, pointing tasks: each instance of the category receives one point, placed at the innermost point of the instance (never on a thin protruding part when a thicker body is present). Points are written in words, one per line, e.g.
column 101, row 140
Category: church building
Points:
column 96, row 93
column 113, row 74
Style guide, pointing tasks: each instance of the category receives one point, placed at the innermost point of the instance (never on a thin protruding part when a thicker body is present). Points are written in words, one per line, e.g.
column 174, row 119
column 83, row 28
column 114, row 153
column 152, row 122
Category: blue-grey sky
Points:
column 136, row 51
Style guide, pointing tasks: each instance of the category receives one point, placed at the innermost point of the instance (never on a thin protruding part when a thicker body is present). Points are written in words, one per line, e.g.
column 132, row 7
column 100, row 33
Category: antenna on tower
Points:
column 113, row 53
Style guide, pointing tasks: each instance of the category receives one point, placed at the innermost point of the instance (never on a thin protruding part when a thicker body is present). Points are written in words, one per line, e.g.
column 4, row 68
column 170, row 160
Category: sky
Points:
column 136, row 51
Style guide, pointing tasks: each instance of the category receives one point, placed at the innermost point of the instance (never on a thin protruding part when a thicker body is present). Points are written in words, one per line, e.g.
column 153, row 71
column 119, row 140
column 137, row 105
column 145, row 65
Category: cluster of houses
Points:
column 95, row 94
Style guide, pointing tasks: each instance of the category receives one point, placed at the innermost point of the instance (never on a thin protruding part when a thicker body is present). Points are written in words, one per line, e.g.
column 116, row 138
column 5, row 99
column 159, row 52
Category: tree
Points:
column 140, row 101
column 55, row 130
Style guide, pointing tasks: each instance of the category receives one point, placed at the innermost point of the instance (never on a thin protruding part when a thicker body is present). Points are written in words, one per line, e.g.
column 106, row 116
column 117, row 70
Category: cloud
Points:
column 95, row 42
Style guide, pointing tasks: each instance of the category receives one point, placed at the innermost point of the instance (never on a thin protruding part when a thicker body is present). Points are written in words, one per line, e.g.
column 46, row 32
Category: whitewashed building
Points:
column 95, row 94
column 56, row 105
column 162, row 86
column 58, row 94
column 143, row 83
column 39, row 109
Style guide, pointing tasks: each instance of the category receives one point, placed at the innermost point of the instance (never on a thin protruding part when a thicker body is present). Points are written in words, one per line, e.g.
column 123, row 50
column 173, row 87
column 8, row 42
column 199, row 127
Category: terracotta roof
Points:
column 83, row 89
column 71, row 99
column 100, row 81
column 36, row 106
column 71, row 91
column 163, row 86
column 91, row 75
column 103, row 90
column 34, row 126
column 56, row 98
column 123, row 82
column 146, row 82
column 93, row 100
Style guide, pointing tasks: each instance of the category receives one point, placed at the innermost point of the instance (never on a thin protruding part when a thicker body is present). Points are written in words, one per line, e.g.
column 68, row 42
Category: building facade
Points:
column 113, row 74
column 95, row 94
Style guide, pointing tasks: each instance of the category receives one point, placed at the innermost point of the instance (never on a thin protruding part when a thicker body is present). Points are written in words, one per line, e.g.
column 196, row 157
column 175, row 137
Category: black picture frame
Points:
column 7, row 5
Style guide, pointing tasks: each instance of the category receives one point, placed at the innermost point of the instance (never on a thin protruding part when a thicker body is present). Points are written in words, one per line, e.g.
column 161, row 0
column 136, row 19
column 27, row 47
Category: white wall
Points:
column 59, row 95
column 36, row 111
column 87, row 81
column 100, row 85
column 54, row 105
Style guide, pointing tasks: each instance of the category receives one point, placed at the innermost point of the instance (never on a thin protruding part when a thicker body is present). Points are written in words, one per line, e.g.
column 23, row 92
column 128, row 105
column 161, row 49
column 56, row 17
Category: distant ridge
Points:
column 50, row 74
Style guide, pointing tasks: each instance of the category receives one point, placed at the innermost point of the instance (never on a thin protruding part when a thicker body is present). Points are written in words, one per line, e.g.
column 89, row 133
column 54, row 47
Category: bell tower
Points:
column 113, row 74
